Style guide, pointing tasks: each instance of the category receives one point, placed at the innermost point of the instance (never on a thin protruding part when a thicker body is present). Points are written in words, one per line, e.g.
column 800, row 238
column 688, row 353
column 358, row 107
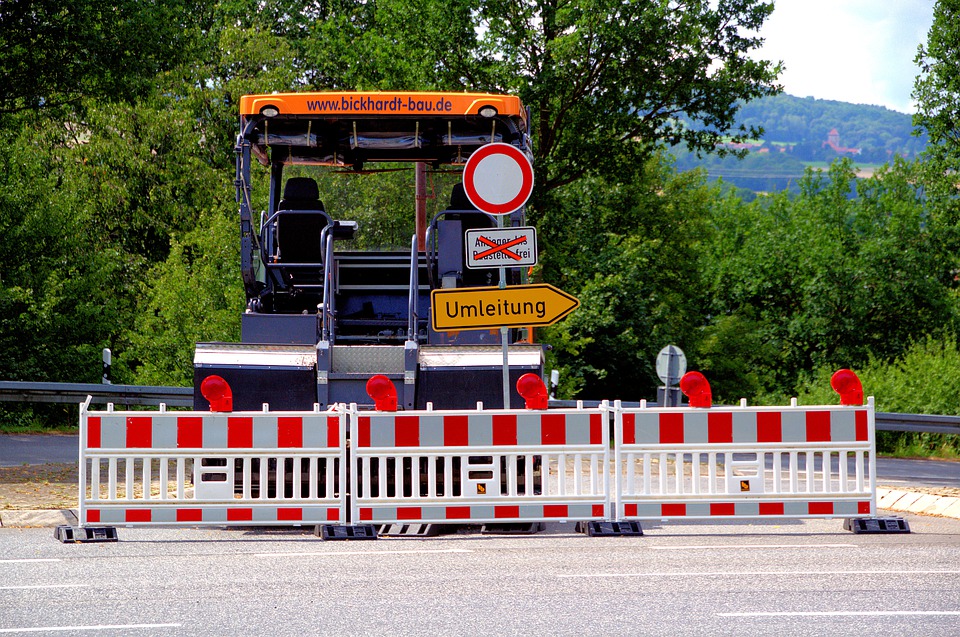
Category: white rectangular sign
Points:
column 501, row 247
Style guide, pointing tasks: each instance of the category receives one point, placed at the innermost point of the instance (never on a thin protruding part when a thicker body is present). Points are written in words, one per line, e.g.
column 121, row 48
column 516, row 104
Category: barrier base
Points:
column 411, row 530
column 876, row 525
column 512, row 528
column 86, row 534
column 609, row 529
column 342, row 532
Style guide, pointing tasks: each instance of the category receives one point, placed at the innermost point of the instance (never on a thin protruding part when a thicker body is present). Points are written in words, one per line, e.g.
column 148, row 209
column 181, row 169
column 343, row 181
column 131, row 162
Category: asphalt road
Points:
column 17, row 449
column 897, row 472
column 793, row 577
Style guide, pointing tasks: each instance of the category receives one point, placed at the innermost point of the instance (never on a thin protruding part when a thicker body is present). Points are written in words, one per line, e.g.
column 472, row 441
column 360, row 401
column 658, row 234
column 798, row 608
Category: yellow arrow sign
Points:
column 516, row 306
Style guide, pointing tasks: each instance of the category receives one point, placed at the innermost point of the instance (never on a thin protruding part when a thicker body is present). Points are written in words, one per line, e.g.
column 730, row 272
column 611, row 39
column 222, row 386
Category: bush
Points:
column 924, row 380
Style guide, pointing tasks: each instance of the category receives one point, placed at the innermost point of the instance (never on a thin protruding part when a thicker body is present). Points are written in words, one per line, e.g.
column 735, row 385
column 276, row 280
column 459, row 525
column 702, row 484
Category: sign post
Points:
column 498, row 179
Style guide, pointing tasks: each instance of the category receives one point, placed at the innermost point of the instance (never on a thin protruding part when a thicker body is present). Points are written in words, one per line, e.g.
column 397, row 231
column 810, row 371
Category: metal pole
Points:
column 672, row 369
column 503, row 334
column 421, row 204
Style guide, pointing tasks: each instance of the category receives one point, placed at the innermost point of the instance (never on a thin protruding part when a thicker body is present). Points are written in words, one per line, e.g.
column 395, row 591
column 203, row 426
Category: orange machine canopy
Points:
column 353, row 128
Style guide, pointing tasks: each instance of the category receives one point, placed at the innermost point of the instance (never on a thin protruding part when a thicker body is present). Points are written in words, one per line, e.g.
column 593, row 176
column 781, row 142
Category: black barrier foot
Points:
column 410, row 530
column 84, row 534
column 512, row 528
column 609, row 529
column 341, row 532
column 876, row 525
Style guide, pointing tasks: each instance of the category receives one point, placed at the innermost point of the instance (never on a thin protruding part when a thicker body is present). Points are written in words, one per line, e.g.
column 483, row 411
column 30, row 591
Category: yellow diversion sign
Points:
column 534, row 305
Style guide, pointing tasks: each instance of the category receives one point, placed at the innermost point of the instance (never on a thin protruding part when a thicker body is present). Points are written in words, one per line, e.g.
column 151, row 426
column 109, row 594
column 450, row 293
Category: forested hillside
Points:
column 797, row 132
column 120, row 226
column 805, row 124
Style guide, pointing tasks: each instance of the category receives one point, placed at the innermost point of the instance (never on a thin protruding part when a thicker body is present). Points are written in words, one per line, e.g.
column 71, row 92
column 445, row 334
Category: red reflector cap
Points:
column 533, row 391
column 848, row 385
column 384, row 394
column 217, row 391
column 695, row 387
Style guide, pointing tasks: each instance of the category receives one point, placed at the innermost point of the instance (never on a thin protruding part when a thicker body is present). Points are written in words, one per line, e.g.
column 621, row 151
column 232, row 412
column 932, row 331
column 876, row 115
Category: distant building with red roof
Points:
column 833, row 141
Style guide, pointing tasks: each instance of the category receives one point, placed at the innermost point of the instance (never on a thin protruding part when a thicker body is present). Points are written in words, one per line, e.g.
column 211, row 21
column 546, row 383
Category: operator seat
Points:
column 461, row 208
column 298, row 233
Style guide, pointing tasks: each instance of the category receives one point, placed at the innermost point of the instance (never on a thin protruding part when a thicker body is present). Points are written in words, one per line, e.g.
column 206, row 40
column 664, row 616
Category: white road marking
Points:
column 50, row 629
column 36, row 559
column 37, row 586
column 846, row 613
column 753, row 573
column 335, row 553
column 700, row 547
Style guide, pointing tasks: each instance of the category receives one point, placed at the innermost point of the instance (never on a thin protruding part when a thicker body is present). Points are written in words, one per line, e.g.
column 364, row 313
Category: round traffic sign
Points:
column 671, row 364
column 498, row 178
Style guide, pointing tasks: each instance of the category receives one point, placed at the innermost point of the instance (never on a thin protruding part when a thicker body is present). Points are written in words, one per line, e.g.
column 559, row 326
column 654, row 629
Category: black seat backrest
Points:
column 298, row 235
column 460, row 216
column 459, row 199
column 469, row 216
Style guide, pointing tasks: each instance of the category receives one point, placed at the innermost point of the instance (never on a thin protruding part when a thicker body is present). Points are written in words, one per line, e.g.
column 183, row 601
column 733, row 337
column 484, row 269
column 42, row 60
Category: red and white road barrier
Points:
column 744, row 462
column 184, row 468
column 479, row 466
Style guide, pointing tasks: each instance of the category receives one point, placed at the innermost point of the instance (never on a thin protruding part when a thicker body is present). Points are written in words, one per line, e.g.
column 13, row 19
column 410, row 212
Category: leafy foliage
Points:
column 795, row 135
column 937, row 88
column 193, row 296
column 823, row 279
column 924, row 380
column 53, row 54
column 604, row 79
column 630, row 254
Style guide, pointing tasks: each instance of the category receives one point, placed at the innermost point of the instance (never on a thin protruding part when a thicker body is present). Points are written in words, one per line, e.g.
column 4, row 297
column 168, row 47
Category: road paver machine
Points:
column 321, row 318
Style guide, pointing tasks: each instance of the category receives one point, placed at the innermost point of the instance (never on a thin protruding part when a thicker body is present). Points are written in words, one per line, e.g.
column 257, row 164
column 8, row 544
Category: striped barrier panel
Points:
column 793, row 462
column 479, row 466
column 200, row 468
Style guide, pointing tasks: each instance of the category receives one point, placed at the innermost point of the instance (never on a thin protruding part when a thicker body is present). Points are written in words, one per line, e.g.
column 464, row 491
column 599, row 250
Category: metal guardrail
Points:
column 76, row 393
column 924, row 423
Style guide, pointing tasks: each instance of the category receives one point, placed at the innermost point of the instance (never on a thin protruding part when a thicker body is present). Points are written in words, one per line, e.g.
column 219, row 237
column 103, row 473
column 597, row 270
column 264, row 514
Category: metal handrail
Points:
column 327, row 326
column 412, row 318
column 271, row 218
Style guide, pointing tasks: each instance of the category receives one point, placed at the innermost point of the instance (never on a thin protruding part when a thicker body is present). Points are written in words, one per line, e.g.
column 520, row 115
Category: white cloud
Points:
column 858, row 51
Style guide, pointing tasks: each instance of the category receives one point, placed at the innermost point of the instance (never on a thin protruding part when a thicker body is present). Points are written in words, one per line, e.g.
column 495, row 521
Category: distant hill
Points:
column 877, row 131
column 799, row 131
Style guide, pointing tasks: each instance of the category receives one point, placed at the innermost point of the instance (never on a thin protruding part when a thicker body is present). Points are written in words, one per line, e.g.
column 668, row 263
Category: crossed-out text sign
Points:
column 496, row 247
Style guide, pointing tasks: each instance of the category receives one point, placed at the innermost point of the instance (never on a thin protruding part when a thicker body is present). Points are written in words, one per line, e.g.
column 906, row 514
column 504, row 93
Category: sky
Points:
column 858, row 51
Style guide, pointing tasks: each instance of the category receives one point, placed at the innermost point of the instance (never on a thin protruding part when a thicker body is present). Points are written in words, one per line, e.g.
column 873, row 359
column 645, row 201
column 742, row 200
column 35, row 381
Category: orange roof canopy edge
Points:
column 372, row 103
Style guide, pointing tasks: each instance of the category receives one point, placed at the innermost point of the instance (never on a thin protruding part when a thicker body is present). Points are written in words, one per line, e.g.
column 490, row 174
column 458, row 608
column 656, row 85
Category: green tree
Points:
column 54, row 53
column 937, row 93
column 606, row 80
column 631, row 255
column 937, row 87
column 825, row 279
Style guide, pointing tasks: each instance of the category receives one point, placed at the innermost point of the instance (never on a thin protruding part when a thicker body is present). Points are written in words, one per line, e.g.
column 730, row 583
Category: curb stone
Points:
column 887, row 499
column 918, row 503
column 37, row 519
